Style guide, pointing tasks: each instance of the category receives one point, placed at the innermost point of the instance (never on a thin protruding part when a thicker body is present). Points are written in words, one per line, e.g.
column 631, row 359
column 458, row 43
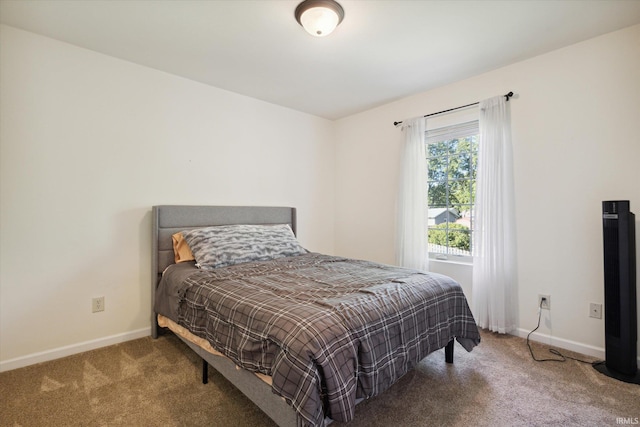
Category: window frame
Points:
column 461, row 130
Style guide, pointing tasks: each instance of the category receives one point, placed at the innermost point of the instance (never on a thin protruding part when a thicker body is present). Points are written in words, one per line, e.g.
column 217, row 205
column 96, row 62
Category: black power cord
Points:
column 563, row 358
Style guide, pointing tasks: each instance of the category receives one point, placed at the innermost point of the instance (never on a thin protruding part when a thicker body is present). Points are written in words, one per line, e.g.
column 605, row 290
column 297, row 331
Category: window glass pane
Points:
column 453, row 146
column 452, row 163
column 437, row 167
column 458, row 166
column 438, row 239
column 437, row 194
column 460, row 193
column 437, row 149
column 466, row 163
column 460, row 240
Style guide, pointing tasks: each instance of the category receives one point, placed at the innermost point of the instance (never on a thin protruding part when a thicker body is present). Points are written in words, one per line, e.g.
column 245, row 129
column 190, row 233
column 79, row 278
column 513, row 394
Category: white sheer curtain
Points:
column 494, row 236
column 412, row 217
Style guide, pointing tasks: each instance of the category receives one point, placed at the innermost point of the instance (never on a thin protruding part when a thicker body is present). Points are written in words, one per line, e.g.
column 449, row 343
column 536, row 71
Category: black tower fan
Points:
column 620, row 320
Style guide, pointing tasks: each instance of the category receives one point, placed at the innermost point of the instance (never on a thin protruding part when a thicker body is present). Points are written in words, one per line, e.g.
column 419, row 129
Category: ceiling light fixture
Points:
column 319, row 17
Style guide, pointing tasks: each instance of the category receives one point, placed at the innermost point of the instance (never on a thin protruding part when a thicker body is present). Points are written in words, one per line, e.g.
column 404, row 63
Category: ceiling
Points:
column 382, row 51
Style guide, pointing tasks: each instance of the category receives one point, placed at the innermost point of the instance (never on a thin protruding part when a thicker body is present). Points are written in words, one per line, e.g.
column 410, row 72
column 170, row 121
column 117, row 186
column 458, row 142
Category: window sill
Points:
column 453, row 261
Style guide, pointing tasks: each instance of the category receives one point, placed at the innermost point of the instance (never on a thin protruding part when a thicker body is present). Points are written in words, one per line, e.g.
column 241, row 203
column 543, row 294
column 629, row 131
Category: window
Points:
column 452, row 158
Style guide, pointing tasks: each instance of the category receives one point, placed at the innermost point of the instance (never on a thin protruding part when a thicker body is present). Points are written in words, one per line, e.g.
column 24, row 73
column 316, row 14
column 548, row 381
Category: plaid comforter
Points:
column 326, row 329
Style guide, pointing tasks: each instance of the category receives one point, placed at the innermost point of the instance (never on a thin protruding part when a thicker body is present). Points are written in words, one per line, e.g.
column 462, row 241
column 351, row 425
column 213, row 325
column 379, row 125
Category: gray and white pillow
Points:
column 224, row 245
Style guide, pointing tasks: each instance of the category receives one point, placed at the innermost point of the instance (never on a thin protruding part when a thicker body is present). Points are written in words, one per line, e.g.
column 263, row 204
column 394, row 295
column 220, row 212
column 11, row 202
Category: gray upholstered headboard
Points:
column 169, row 219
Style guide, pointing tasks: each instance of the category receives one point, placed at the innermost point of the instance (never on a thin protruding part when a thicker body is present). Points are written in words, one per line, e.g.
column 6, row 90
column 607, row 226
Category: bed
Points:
column 305, row 336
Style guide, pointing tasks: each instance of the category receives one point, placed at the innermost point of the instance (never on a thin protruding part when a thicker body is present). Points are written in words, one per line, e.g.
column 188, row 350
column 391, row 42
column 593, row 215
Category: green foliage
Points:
column 455, row 236
column 452, row 172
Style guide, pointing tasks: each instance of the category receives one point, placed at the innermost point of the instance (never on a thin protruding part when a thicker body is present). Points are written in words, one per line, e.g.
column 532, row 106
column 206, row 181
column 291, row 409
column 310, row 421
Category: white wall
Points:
column 88, row 144
column 575, row 120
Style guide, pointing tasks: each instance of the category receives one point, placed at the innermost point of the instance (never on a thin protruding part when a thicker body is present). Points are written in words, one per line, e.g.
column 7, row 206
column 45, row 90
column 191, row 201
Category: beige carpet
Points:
column 150, row 382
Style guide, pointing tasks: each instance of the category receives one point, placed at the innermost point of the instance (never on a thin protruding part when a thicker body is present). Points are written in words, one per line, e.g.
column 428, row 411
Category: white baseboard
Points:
column 57, row 353
column 581, row 348
column 589, row 350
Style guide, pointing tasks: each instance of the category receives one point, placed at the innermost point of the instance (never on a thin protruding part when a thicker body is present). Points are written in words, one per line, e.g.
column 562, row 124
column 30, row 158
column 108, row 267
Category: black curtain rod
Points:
column 509, row 95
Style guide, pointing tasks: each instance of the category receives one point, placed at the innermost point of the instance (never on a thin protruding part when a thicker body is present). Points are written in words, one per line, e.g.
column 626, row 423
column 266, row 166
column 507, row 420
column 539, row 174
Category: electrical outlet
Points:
column 544, row 301
column 595, row 310
column 97, row 304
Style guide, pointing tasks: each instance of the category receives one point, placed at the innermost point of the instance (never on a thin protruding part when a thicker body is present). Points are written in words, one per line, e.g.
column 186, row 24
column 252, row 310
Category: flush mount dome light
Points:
column 319, row 17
